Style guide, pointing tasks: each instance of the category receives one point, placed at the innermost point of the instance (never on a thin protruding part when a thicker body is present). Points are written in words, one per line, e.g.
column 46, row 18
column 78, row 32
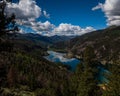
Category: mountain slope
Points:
column 44, row 39
column 32, row 42
column 23, row 68
column 106, row 44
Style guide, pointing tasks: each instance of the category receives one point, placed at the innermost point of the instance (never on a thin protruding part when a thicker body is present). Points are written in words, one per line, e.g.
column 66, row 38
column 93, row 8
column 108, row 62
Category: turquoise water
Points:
column 60, row 57
column 73, row 62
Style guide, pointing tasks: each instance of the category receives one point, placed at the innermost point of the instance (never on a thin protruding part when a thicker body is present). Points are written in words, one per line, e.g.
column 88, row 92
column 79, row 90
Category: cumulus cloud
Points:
column 46, row 14
column 25, row 9
column 71, row 30
column 112, row 11
column 39, row 26
column 49, row 29
column 43, row 28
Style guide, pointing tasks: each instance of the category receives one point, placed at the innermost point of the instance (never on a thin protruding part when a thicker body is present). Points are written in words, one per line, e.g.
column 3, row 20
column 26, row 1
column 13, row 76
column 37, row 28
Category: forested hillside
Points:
column 106, row 44
column 25, row 72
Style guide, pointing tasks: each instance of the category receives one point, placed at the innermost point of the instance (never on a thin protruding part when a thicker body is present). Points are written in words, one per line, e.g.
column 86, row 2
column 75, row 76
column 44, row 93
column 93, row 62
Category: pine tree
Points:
column 87, row 85
column 7, row 25
column 89, row 56
column 86, row 75
column 113, row 84
column 5, row 20
column 12, row 77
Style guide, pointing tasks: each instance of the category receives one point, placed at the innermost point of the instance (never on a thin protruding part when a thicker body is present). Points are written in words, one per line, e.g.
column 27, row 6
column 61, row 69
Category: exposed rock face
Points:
column 69, row 55
column 106, row 44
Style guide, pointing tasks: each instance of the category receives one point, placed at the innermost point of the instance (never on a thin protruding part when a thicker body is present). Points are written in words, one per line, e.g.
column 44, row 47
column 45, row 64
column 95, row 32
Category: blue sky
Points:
column 64, row 17
column 76, row 12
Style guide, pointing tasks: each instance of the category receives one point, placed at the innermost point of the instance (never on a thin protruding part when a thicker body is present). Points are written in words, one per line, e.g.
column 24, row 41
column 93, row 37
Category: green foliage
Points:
column 7, row 25
column 84, row 81
column 23, row 70
column 45, row 92
column 106, row 44
column 5, row 21
column 43, row 78
column 12, row 76
column 89, row 54
column 87, row 85
column 113, row 85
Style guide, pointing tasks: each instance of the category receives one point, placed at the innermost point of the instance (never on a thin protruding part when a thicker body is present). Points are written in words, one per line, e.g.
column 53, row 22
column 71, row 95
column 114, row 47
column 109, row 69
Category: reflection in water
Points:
column 59, row 57
column 73, row 62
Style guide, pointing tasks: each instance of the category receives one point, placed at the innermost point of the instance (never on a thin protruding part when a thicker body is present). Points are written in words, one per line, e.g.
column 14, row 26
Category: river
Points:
column 60, row 57
column 73, row 62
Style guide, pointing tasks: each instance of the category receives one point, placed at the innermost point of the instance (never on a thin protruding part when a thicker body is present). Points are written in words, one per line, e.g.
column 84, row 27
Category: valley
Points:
column 59, row 48
column 105, row 43
column 38, row 68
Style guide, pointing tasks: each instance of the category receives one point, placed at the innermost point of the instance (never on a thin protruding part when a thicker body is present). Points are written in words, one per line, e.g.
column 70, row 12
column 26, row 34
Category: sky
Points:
column 64, row 17
column 76, row 12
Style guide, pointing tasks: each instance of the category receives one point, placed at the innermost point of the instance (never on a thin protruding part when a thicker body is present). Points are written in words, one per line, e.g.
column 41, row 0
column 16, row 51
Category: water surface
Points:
column 73, row 62
column 60, row 57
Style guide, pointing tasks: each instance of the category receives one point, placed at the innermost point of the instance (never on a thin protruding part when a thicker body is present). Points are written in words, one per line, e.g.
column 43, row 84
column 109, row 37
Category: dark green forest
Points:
column 24, row 71
column 105, row 42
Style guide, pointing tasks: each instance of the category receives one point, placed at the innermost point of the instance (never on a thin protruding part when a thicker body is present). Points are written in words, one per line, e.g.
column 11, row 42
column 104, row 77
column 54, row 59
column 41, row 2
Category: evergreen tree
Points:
column 86, row 75
column 7, row 25
column 113, row 84
column 89, row 57
column 5, row 20
column 12, row 77
column 87, row 85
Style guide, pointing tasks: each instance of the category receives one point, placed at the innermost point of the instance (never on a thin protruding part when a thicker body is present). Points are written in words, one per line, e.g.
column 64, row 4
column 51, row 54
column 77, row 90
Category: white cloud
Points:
column 48, row 29
column 43, row 28
column 112, row 11
column 46, row 14
column 25, row 9
column 100, row 5
column 21, row 31
column 71, row 30
column 39, row 26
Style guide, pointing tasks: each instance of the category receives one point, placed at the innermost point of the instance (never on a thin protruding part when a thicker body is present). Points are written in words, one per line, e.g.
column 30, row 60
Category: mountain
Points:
column 57, row 38
column 106, row 44
column 33, row 42
column 24, row 71
column 43, row 40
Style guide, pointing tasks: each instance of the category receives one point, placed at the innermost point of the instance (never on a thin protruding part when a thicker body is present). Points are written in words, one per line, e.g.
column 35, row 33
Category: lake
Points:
column 73, row 62
column 60, row 57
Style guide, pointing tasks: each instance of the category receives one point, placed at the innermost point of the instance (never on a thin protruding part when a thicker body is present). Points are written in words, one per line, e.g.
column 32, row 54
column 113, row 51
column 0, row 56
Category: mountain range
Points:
column 23, row 68
column 106, row 44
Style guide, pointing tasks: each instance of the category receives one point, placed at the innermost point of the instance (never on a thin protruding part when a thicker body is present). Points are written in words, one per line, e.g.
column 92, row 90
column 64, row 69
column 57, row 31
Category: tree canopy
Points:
column 7, row 23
